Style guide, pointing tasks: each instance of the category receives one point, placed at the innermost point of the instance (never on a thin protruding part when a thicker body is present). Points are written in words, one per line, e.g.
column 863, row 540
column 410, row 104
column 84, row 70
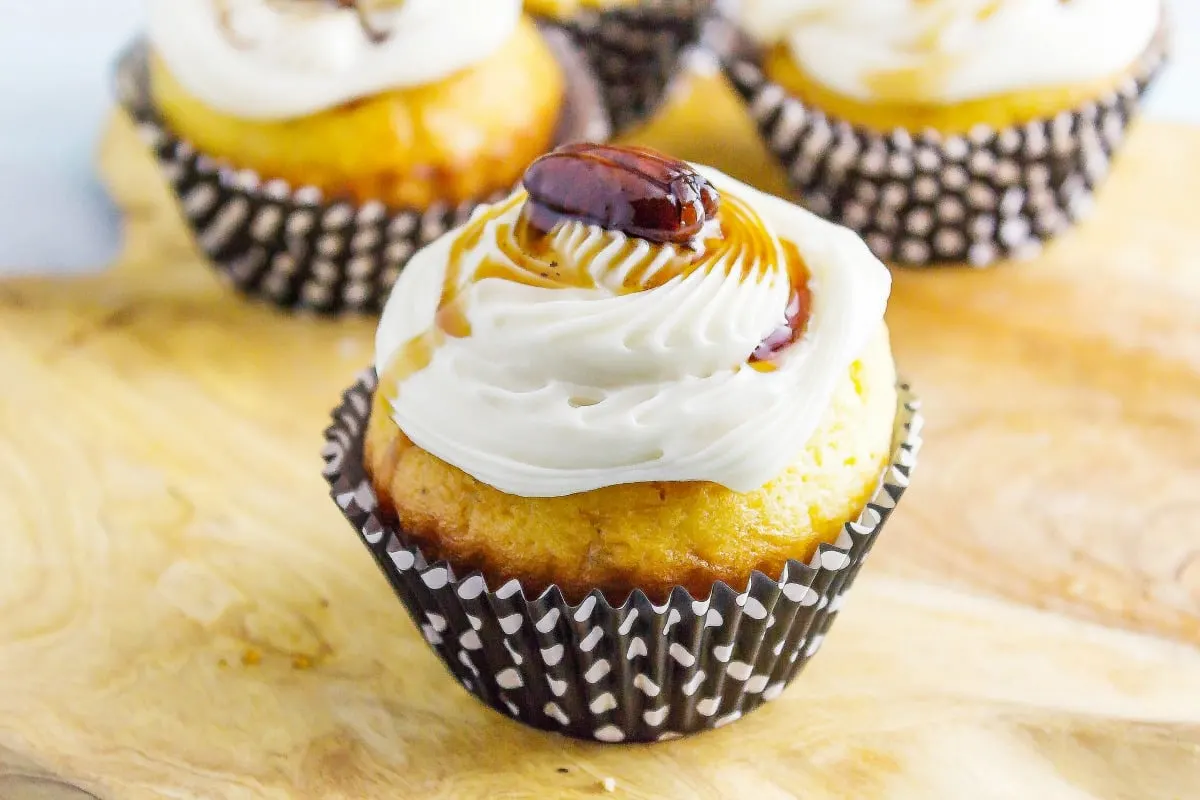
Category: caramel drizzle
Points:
column 795, row 317
column 925, row 78
column 531, row 258
column 370, row 32
column 373, row 35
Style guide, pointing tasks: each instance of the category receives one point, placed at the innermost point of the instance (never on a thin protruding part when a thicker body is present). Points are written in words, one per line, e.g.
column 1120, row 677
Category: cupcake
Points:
column 635, row 46
column 634, row 429
column 315, row 146
column 947, row 130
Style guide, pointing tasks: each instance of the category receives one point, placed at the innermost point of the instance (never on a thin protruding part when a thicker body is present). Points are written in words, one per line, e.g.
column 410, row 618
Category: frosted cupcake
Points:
column 635, row 46
column 632, row 382
column 947, row 130
column 385, row 122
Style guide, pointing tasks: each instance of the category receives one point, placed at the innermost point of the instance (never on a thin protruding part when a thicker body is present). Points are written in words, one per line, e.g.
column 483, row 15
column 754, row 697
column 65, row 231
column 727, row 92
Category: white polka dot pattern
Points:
column 636, row 672
column 635, row 51
column 977, row 199
column 293, row 248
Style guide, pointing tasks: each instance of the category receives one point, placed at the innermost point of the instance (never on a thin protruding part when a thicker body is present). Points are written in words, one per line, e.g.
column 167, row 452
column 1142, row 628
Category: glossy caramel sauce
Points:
column 738, row 241
column 796, row 315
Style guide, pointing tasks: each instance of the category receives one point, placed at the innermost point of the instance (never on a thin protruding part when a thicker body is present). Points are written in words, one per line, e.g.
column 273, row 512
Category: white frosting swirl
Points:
column 562, row 390
column 277, row 59
column 956, row 49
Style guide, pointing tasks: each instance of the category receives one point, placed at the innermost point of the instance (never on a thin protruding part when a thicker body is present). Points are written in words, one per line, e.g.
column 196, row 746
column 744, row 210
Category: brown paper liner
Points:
column 637, row 672
column 636, row 51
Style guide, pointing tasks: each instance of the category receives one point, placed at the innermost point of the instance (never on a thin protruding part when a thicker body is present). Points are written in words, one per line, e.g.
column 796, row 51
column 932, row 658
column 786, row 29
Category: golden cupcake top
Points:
column 626, row 317
column 279, row 59
column 949, row 51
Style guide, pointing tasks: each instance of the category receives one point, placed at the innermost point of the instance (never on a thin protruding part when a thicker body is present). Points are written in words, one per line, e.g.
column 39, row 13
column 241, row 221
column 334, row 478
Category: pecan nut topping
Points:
column 634, row 190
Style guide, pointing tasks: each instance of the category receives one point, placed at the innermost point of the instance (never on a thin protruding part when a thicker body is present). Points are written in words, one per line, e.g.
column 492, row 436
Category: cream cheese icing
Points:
column 954, row 50
column 639, row 368
column 278, row 59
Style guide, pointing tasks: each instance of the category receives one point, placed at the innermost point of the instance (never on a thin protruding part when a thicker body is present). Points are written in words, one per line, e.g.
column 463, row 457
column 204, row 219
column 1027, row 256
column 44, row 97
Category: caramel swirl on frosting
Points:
column 546, row 363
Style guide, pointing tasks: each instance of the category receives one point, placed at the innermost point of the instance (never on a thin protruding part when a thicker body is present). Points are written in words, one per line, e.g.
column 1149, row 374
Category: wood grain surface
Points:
column 183, row 613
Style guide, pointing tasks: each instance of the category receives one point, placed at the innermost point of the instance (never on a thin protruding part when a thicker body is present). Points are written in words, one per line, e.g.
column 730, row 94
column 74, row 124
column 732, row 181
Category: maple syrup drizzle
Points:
column 533, row 258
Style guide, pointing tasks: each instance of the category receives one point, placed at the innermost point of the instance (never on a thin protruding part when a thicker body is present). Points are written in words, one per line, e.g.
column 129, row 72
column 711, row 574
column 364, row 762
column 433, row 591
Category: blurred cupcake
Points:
column 635, row 46
column 635, row 428
column 316, row 145
column 947, row 130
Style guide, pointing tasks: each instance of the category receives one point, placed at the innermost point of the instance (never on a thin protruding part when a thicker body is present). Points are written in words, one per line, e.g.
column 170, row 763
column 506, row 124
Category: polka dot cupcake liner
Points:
column 294, row 248
column 636, row 51
column 638, row 672
column 933, row 198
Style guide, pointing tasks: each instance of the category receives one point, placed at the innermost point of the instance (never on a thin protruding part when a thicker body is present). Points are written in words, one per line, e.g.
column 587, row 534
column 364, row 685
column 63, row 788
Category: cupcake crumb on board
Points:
column 610, row 784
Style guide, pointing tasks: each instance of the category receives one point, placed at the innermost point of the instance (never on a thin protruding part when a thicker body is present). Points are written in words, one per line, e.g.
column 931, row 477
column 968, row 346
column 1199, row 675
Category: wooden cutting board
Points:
column 183, row 613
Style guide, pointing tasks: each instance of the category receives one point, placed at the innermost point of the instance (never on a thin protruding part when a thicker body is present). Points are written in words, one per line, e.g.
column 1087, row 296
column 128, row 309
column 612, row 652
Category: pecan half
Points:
column 634, row 190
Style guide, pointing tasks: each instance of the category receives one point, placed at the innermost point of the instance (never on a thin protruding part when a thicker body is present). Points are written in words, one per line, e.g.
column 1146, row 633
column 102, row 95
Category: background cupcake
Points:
column 633, row 384
column 634, row 46
column 316, row 145
column 951, row 130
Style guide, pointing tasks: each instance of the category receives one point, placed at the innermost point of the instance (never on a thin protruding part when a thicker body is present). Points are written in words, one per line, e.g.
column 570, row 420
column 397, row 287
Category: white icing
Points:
column 277, row 59
column 1022, row 44
column 558, row 391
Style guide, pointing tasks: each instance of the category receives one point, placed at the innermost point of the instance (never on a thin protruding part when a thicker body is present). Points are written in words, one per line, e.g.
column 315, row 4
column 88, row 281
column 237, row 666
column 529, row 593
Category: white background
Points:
column 55, row 60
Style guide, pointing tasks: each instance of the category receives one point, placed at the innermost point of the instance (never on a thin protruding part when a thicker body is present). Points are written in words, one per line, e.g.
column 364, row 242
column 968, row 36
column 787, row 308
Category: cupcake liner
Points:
column 929, row 198
column 290, row 246
column 636, row 51
column 634, row 673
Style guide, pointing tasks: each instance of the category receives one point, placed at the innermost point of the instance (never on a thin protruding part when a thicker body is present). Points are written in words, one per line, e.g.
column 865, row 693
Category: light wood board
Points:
column 183, row 613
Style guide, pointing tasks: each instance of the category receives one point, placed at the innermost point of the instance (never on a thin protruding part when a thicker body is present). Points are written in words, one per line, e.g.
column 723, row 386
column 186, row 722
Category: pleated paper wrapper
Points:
column 289, row 245
column 639, row 672
column 636, row 51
